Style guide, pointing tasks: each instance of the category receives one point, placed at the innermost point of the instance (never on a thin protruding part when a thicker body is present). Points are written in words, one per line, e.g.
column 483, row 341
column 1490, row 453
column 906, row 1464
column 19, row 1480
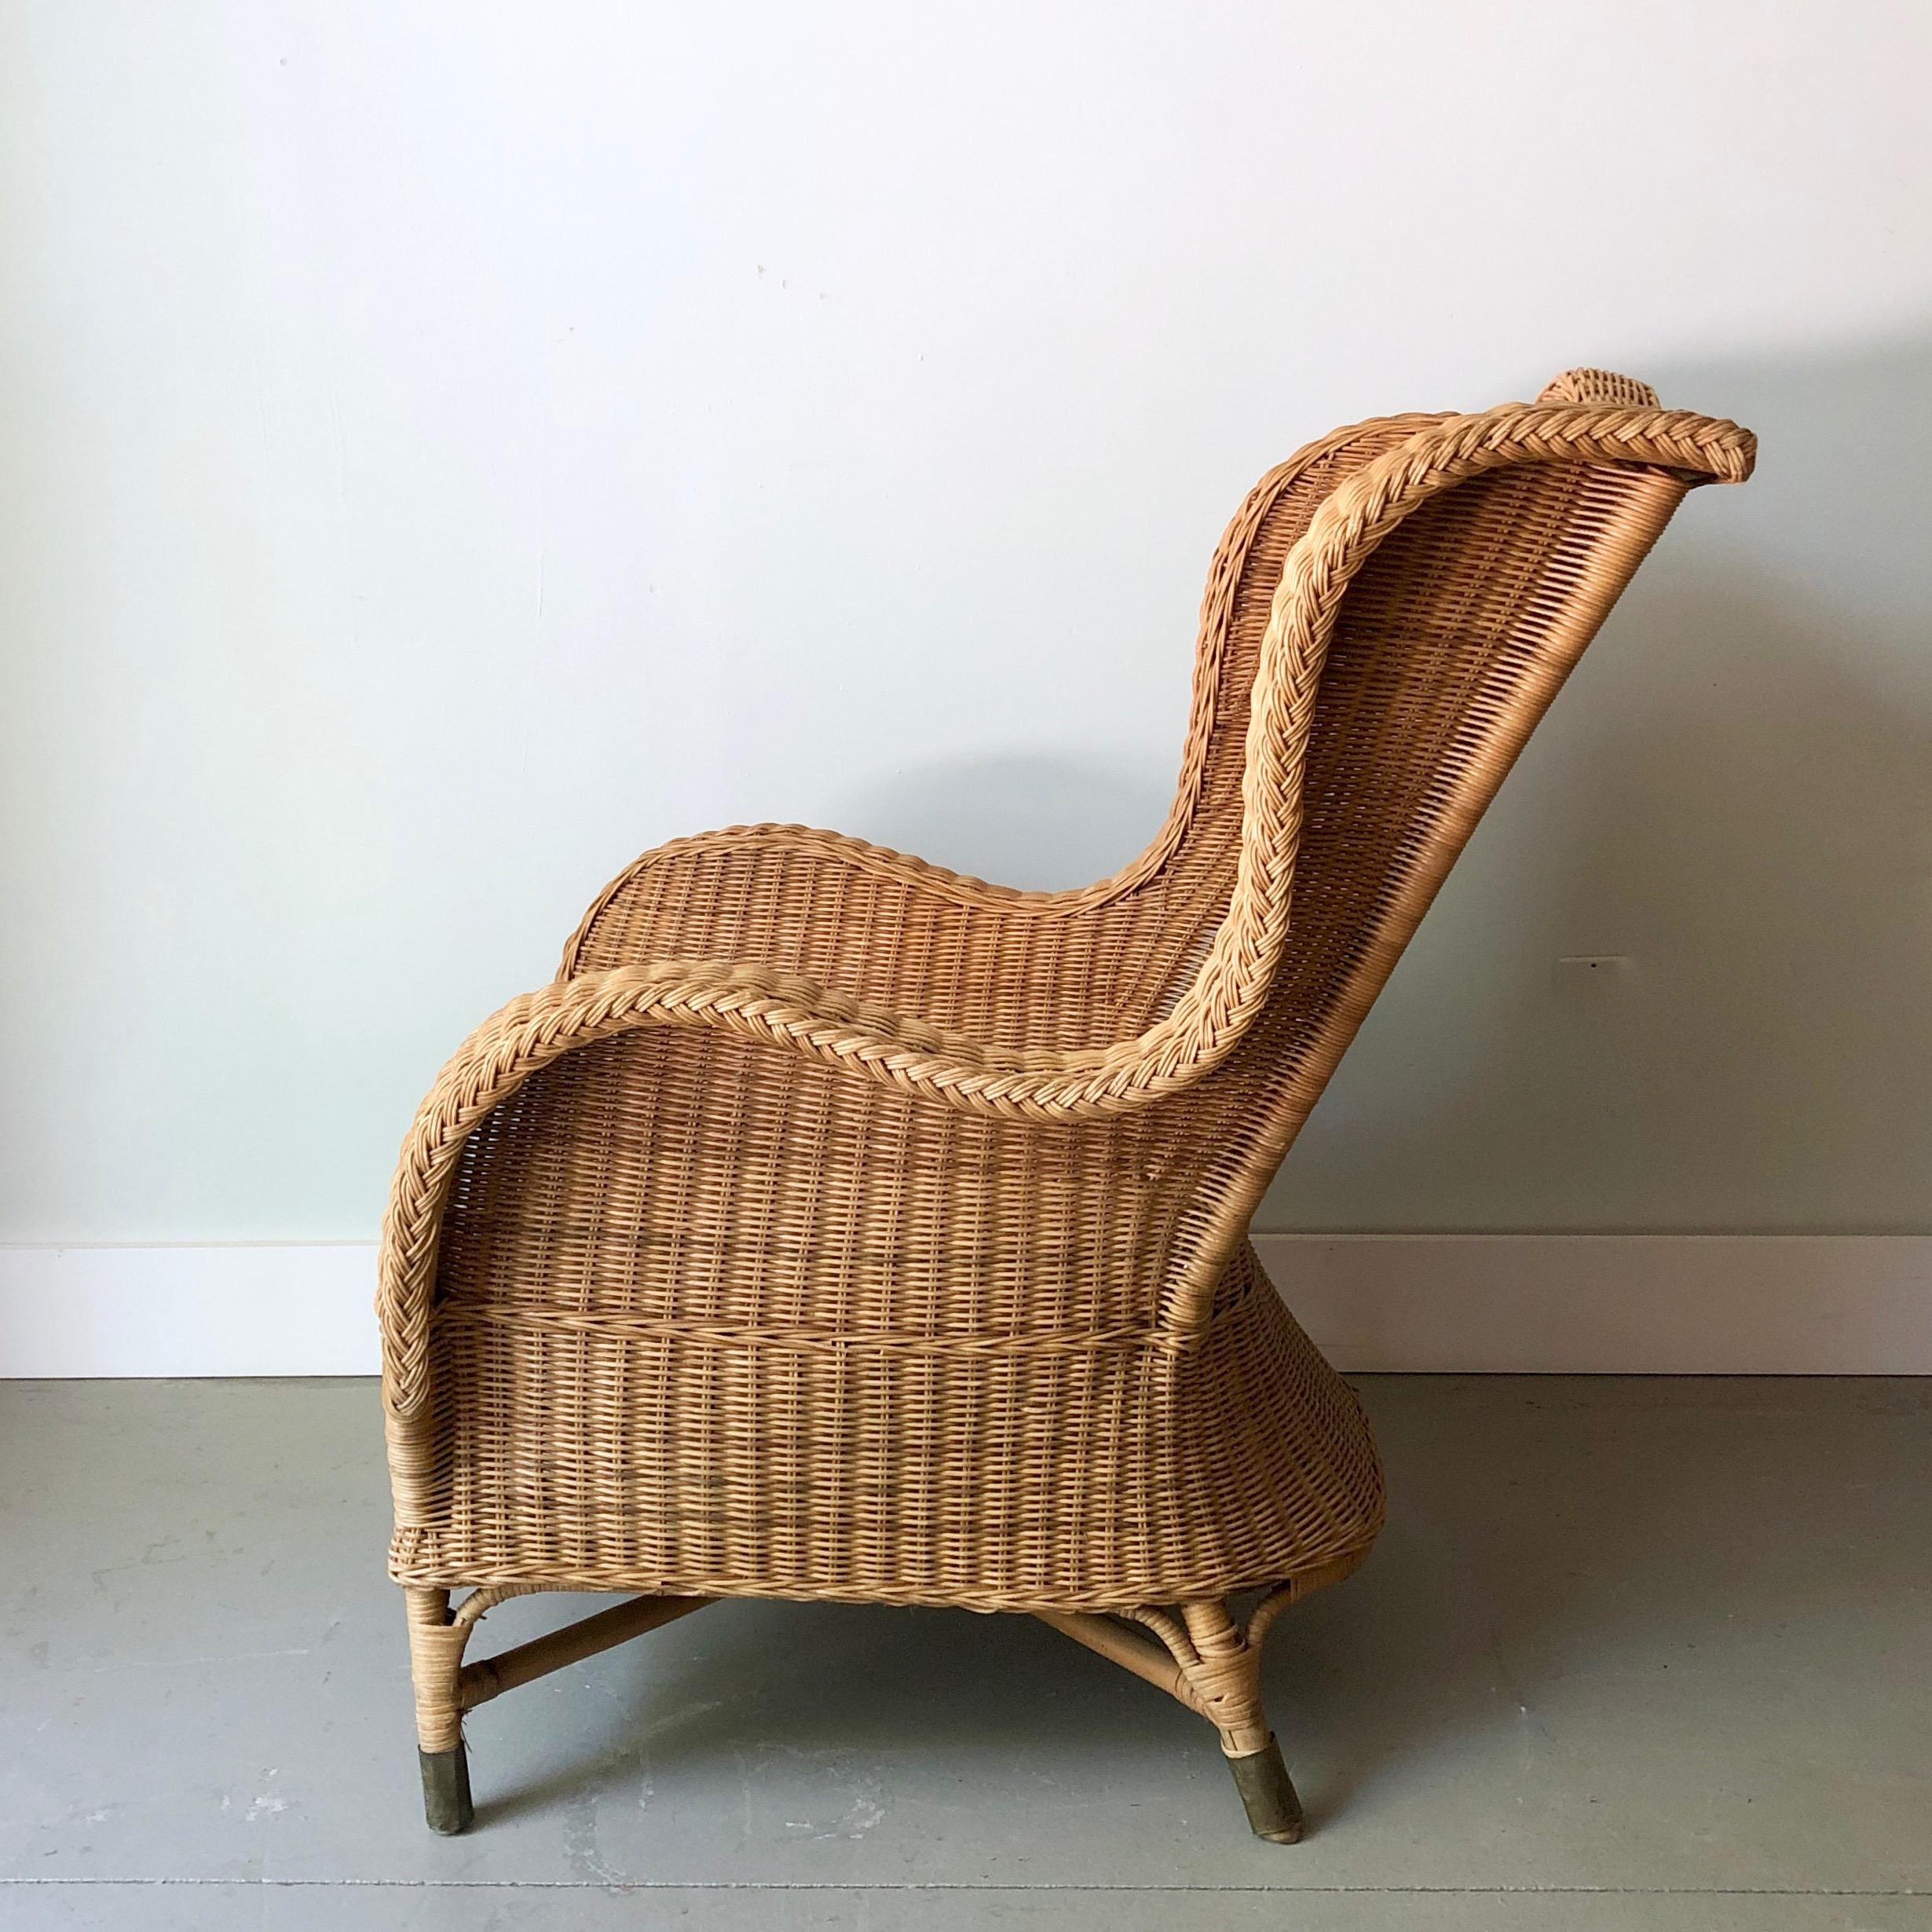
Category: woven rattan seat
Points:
column 834, row 1226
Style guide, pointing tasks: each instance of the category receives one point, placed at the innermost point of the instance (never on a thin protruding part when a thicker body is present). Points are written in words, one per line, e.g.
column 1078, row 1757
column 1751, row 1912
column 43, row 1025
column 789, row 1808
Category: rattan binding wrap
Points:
column 835, row 1226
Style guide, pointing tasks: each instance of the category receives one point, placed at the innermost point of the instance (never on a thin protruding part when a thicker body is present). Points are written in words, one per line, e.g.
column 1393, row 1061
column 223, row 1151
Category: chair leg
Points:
column 1204, row 1659
column 1225, row 1675
column 436, row 1648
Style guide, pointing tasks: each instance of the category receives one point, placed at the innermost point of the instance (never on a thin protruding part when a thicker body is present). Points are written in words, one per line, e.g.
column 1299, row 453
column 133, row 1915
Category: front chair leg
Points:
column 436, row 1648
column 1224, row 1674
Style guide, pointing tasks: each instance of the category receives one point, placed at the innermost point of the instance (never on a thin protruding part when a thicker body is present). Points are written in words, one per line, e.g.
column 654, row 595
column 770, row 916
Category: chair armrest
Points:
column 756, row 1002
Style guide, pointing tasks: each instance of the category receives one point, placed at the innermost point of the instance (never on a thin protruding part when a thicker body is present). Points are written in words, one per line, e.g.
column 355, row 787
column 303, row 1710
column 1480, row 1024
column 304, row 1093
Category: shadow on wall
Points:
column 1042, row 824
column 1734, row 796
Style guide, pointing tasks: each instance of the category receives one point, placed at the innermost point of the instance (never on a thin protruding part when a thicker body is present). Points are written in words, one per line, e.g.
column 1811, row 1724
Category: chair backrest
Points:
column 1448, row 645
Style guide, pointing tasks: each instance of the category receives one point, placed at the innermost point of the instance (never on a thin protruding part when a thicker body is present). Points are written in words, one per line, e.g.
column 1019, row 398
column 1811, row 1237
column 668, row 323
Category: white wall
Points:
column 447, row 450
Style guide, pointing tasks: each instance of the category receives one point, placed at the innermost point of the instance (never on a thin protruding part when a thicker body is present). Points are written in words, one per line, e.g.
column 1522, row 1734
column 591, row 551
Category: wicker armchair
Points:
column 834, row 1226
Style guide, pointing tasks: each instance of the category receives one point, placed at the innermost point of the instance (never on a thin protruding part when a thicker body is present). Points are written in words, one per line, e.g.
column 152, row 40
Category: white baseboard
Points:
column 1657, row 1304
column 251, row 1309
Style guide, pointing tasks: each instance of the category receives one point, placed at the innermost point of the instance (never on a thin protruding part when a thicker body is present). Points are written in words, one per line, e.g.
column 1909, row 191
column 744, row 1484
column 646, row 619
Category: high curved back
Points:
column 1544, row 530
column 1448, row 645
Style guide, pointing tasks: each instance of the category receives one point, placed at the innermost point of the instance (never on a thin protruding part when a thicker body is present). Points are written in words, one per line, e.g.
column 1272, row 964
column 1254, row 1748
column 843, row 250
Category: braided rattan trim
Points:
column 711, row 1335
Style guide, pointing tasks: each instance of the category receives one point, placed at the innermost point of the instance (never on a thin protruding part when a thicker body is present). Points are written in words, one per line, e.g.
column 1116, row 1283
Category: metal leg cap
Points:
column 446, row 1790
column 1274, row 1810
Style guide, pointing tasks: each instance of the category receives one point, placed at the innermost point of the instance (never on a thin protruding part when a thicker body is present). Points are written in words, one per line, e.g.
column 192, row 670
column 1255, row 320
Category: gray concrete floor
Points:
column 1632, row 1653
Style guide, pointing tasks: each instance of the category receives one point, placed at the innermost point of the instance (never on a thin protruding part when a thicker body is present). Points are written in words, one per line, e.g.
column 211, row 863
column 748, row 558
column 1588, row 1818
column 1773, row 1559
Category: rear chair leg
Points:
column 1274, row 1810
column 1225, row 1676
column 436, row 1648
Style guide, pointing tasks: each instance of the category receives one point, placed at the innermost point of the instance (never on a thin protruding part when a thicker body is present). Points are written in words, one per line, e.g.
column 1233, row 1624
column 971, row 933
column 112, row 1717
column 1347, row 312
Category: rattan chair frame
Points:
column 837, row 1226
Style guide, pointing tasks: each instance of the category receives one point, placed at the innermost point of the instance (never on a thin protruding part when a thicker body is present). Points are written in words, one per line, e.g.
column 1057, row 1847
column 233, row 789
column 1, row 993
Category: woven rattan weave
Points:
column 834, row 1226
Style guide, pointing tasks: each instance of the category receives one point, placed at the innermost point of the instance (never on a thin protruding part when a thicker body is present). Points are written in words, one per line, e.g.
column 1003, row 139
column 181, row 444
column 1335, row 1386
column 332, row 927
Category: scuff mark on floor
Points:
column 856, row 1802
column 579, row 1847
column 266, row 1804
